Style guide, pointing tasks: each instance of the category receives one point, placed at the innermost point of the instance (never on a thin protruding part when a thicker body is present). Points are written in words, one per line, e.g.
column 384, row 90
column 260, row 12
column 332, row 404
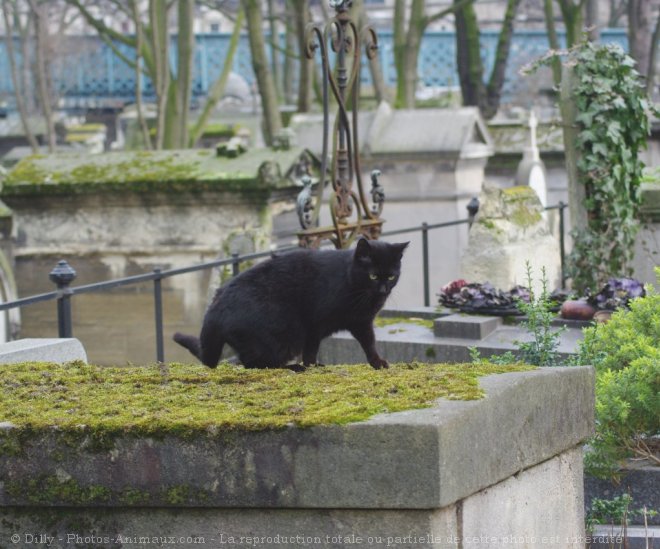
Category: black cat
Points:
column 285, row 306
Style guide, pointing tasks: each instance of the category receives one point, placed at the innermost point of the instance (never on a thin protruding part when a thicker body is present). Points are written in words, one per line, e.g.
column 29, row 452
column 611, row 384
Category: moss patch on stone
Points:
column 145, row 171
column 390, row 320
column 82, row 400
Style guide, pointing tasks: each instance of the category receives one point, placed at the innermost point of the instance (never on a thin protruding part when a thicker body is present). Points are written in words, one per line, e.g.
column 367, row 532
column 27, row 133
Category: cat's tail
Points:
column 208, row 354
column 189, row 342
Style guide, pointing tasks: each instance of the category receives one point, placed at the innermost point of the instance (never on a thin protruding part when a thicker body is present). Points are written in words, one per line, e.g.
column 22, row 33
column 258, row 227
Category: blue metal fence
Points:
column 87, row 67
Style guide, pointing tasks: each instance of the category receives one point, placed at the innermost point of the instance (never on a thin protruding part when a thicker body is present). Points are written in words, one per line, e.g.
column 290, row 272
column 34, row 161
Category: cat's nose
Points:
column 382, row 290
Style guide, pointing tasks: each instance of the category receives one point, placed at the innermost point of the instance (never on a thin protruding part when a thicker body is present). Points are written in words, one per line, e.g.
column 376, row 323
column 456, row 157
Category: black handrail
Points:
column 63, row 275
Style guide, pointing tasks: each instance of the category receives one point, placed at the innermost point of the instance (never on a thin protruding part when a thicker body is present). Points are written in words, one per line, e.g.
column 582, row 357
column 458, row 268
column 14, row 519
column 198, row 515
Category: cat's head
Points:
column 377, row 265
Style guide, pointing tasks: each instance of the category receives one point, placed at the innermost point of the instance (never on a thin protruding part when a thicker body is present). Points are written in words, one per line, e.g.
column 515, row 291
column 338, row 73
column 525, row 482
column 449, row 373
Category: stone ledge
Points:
column 42, row 350
column 421, row 459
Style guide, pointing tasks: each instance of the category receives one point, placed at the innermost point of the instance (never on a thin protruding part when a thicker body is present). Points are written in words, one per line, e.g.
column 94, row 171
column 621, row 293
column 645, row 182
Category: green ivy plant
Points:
column 613, row 122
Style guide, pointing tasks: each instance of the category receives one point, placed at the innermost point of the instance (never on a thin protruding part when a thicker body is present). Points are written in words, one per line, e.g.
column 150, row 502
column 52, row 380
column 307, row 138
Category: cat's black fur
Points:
column 285, row 306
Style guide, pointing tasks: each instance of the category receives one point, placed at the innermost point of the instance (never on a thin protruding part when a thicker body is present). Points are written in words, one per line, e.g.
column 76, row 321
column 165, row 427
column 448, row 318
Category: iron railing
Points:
column 62, row 275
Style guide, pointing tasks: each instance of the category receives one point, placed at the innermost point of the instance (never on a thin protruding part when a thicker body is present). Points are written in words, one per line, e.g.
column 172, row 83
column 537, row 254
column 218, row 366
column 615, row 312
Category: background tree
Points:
column 272, row 120
column 408, row 32
column 12, row 20
column 172, row 84
column 33, row 40
column 643, row 38
column 475, row 91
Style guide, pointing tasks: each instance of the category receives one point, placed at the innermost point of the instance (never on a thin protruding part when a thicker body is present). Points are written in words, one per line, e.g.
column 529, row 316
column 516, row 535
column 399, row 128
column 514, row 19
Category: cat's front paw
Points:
column 379, row 364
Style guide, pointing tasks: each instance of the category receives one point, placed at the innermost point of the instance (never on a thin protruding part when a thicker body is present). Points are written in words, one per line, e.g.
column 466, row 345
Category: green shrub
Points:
column 626, row 355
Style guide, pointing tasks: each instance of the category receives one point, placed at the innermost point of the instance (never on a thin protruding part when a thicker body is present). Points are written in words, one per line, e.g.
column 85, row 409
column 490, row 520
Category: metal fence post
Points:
column 235, row 265
column 62, row 275
column 158, row 312
column 473, row 209
column 562, row 243
column 425, row 258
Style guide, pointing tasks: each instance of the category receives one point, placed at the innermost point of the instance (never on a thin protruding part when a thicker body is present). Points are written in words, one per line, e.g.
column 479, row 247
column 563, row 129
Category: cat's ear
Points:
column 400, row 248
column 363, row 249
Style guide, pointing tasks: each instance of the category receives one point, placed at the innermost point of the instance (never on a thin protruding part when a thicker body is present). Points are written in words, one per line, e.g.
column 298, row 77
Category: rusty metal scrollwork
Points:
column 351, row 212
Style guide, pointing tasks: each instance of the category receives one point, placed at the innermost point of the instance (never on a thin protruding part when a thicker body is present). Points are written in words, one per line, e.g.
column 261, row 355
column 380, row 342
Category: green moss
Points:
column 218, row 130
column 148, row 171
column 134, row 497
column 182, row 494
column 98, row 403
column 524, row 216
column 86, row 128
column 389, row 321
column 49, row 489
column 519, row 192
column 488, row 223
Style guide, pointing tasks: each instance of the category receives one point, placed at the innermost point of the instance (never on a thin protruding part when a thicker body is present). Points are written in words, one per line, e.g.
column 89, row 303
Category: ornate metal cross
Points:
column 352, row 213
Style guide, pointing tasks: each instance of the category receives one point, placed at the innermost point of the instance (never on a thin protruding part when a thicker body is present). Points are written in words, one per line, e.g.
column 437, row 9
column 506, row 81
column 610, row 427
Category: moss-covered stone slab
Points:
column 145, row 171
column 185, row 436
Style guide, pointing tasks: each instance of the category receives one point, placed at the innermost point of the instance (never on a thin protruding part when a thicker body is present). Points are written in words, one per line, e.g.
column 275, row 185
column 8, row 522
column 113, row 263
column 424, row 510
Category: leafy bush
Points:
column 626, row 355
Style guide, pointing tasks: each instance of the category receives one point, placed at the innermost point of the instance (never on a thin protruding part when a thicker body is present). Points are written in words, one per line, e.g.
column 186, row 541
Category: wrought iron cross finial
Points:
column 351, row 211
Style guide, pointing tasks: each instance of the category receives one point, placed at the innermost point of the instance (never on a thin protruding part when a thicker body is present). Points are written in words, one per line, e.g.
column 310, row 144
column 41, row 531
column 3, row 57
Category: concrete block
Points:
column 417, row 459
column 42, row 350
column 231, row 528
column 539, row 507
column 466, row 326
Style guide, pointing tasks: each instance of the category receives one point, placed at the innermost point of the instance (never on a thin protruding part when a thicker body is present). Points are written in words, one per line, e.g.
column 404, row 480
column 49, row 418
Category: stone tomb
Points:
column 125, row 213
column 498, row 472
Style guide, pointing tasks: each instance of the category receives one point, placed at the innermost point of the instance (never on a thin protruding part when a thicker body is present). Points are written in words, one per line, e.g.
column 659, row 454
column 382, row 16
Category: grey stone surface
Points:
column 466, row 327
column 42, row 350
column 509, row 234
column 232, row 528
column 420, row 459
column 540, row 507
column 405, row 342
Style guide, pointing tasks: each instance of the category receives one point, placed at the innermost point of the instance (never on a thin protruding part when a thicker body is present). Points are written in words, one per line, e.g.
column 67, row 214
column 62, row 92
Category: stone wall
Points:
column 123, row 214
column 502, row 471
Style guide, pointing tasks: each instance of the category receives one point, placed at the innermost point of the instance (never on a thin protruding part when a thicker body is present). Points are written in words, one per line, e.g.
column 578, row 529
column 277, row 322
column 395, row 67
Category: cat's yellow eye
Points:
column 372, row 277
column 391, row 277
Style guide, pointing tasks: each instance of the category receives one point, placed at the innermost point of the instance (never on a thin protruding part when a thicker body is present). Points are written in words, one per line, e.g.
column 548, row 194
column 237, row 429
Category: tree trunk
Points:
column 399, row 32
column 416, row 28
column 640, row 33
column 553, row 40
column 593, row 20
column 491, row 104
column 573, row 17
column 468, row 56
column 302, row 18
column 218, row 88
column 41, row 41
column 161, row 71
column 183, row 82
column 375, row 70
column 139, row 44
column 275, row 39
column 16, row 82
column 265, row 84
column 651, row 88
column 289, row 61
column 576, row 189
